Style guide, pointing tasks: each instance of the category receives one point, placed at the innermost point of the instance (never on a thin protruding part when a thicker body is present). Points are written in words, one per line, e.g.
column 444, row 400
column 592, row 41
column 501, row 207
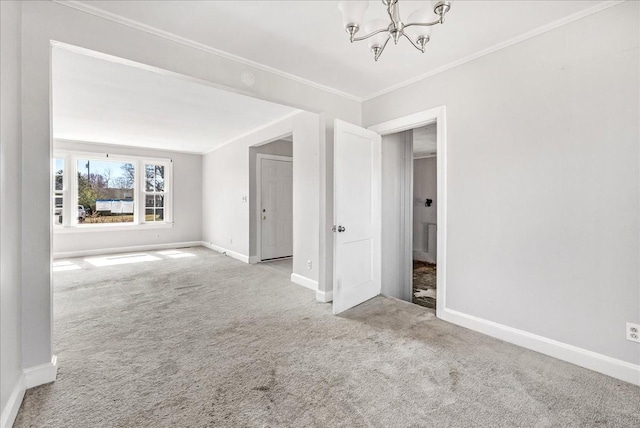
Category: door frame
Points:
column 435, row 115
column 258, row 211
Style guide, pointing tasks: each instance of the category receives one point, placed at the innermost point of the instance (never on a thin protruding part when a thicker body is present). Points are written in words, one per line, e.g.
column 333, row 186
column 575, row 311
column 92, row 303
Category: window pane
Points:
column 159, row 178
column 58, row 171
column 159, row 201
column 149, row 178
column 106, row 191
column 159, row 214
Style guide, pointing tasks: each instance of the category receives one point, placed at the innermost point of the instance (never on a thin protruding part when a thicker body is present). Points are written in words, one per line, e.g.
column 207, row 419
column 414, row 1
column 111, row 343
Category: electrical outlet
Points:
column 309, row 264
column 633, row 332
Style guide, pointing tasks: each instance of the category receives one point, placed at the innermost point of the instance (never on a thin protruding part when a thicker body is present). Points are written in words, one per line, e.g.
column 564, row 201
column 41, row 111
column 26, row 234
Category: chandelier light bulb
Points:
column 418, row 32
column 441, row 8
column 352, row 14
column 379, row 39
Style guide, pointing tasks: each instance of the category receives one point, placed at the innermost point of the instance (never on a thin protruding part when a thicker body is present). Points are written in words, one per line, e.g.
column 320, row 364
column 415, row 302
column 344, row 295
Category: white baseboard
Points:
column 324, row 296
column 613, row 367
column 10, row 410
column 29, row 378
column 39, row 375
column 229, row 253
column 116, row 250
column 304, row 281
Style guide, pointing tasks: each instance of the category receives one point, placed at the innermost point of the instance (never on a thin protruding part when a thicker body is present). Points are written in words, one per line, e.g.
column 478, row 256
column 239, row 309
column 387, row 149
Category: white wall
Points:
column 10, row 218
column 543, row 176
column 187, row 206
column 47, row 21
column 425, row 180
column 228, row 179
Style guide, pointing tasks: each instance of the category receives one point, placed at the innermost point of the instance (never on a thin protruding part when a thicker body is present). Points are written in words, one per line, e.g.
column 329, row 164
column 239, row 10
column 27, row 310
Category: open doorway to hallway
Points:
column 413, row 194
column 425, row 219
column 272, row 200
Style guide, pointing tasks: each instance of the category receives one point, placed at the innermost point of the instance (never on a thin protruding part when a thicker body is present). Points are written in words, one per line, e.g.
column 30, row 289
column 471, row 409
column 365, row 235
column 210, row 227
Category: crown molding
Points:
column 540, row 30
column 84, row 7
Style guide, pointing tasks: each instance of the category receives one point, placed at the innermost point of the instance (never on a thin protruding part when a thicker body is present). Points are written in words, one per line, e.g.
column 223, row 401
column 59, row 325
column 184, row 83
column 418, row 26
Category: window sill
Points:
column 88, row 228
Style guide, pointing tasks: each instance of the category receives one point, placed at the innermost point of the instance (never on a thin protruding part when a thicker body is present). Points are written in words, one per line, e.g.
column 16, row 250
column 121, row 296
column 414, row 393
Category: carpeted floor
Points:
column 207, row 341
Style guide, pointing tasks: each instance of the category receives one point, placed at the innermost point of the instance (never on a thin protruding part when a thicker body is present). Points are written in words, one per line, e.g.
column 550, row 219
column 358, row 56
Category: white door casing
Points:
column 276, row 206
column 357, row 213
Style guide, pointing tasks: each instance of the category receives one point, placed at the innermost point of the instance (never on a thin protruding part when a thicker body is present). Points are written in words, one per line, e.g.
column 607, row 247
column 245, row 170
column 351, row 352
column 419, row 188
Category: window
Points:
column 154, row 192
column 92, row 190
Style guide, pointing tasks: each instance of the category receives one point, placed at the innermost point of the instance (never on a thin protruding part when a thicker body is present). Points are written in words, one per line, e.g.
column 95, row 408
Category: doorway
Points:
column 414, row 208
column 274, row 199
column 384, row 153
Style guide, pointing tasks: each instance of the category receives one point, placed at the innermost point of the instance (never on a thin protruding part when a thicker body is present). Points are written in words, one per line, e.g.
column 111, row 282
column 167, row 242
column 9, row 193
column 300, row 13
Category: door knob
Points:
column 341, row 229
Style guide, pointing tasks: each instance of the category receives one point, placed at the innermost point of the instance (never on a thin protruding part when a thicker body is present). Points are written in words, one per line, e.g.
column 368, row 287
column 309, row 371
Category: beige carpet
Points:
column 207, row 341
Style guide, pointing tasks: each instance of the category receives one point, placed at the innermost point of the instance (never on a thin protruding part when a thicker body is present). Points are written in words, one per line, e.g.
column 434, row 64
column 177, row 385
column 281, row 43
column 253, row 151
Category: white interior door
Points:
column 357, row 212
column 276, row 219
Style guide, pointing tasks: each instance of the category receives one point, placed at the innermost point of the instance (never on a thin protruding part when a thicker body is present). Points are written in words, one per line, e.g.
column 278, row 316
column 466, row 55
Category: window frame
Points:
column 70, row 222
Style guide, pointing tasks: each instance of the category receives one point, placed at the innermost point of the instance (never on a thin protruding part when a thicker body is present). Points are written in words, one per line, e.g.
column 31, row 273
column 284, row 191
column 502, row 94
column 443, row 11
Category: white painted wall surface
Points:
column 46, row 21
column 10, row 218
column 228, row 180
column 187, row 205
column 425, row 182
column 543, row 176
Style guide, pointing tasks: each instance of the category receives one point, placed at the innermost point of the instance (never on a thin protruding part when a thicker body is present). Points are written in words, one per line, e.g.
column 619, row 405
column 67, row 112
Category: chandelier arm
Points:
column 414, row 44
column 422, row 24
column 382, row 48
column 357, row 39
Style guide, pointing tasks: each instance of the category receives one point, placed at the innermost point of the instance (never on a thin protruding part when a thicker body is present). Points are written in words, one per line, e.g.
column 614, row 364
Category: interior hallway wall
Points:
column 425, row 181
column 543, row 176
column 187, row 205
column 47, row 21
column 227, row 186
column 396, row 219
column 10, row 208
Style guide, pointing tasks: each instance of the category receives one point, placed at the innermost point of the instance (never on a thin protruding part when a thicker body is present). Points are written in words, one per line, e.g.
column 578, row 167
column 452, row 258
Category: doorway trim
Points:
column 435, row 115
column 258, row 210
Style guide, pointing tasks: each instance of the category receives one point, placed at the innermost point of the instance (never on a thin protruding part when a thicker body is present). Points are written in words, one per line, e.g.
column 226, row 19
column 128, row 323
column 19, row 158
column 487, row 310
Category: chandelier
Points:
column 379, row 32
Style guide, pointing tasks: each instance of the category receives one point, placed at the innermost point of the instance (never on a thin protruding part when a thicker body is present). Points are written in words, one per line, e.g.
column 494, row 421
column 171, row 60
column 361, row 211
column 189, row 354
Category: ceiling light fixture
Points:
column 417, row 31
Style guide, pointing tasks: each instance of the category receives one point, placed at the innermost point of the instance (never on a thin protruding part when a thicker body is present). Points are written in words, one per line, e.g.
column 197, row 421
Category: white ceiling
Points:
column 106, row 102
column 306, row 38
column 425, row 141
